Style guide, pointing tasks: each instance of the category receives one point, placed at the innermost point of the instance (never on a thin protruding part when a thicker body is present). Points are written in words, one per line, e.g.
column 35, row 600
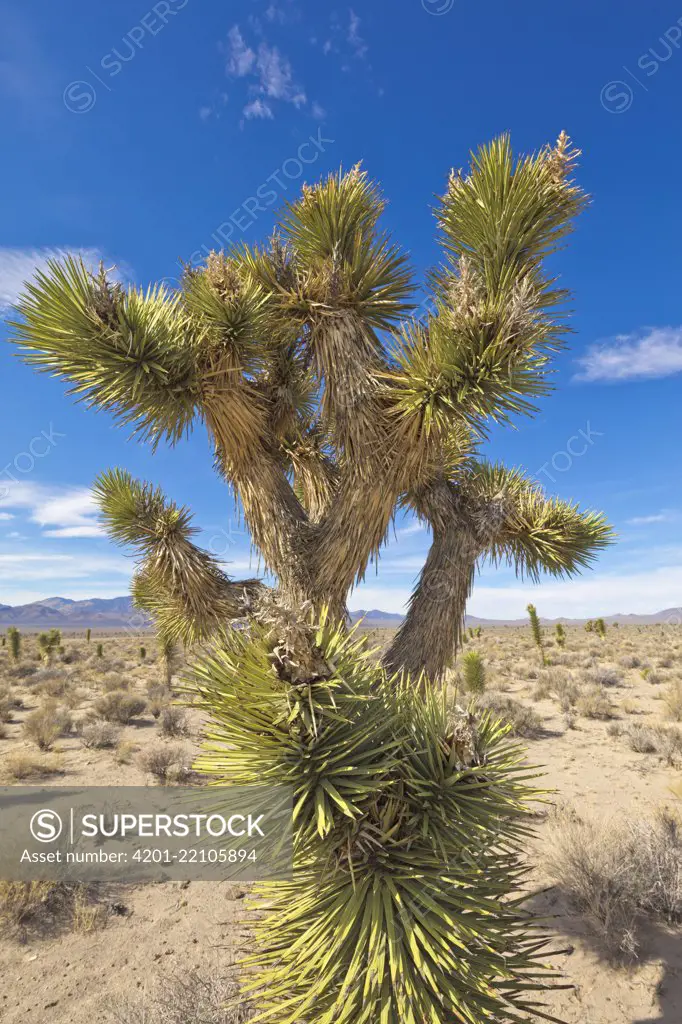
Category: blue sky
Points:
column 147, row 133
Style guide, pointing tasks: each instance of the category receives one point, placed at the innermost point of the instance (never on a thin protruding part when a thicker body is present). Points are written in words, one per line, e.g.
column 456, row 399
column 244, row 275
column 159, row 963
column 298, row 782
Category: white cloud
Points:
column 271, row 73
column 594, row 594
column 354, row 38
column 5, row 516
column 57, row 569
column 655, row 353
column 241, row 57
column 276, row 76
column 659, row 517
column 258, row 109
column 17, row 266
column 67, row 512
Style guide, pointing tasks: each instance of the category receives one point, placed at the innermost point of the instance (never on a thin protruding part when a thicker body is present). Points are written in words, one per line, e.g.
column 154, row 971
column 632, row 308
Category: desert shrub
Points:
column 665, row 662
column 160, row 759
column 53, row 682
column 111, row 681
column 542, row 689
column 614, row 729
column 655, row 678
column 99, row 734
column 173, row 721
column 618, row 872
column 20, row 673
column 630, row 661
column 22, row 765
column 119, row 706
column 8, row 704
column 46, row 724
column 524, row 721
column 642, row 739
column 594, row 703
column 193, row 997
column 604, row 676
column 672, row 699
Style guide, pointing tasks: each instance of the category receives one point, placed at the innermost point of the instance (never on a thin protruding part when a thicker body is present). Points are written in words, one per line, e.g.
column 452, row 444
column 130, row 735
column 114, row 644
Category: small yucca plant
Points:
column 99, row 650
column 409, row 823
column 536, row 631
column 473, row 672
column 560, row 635
column 48, row 643
column 88, row 634
column 143, row 653
column 14, row 637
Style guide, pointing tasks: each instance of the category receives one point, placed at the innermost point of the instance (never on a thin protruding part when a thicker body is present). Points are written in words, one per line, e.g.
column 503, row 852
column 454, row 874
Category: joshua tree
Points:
column 332, row 404
column 560, row 635
column 48, row 643
column 88, row 634
column 536, row 631
column 169, row 656
column 99, row 650
column 589, row 626
column 328, row 408
column 143, row 653
column 600, row 628
column 14, row 637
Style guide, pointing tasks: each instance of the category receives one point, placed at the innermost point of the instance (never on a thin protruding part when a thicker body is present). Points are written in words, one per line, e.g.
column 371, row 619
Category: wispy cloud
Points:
column 270, row 73
column 354, row 38
column 241, row 58
column 658, row 517
column 60, row 512
column 19, row 265
column 656, row 352
column 596, row 594
column 259, row 109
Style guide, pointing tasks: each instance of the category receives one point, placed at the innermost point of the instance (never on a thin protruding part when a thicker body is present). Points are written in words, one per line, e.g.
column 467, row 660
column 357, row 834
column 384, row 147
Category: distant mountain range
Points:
column 118, row 613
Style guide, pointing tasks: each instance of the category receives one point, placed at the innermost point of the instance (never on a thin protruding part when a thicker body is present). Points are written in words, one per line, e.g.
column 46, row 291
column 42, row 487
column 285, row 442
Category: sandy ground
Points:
column 75, row 976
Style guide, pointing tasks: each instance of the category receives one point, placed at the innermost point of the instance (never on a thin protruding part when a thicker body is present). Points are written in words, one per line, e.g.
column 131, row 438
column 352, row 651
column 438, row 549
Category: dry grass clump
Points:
column 161, row 760
column 618, row 873
column 119, row 707
column 98, row 734
column 39, row 906
column 112, row 681
column 45, row 725
column 8, row 703
column 196, row 997
column 523, row 720
column 594, row 703
column 23, row 765
column 124, row 751
column 672, row 699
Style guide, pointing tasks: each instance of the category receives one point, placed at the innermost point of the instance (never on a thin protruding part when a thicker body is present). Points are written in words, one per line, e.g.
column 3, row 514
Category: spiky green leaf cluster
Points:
column 409, row 824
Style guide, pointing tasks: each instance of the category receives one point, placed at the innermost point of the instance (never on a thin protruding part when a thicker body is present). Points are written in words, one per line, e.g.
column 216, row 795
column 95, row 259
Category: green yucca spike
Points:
column 473, row 672
column 536, row 631
column 14, row 637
